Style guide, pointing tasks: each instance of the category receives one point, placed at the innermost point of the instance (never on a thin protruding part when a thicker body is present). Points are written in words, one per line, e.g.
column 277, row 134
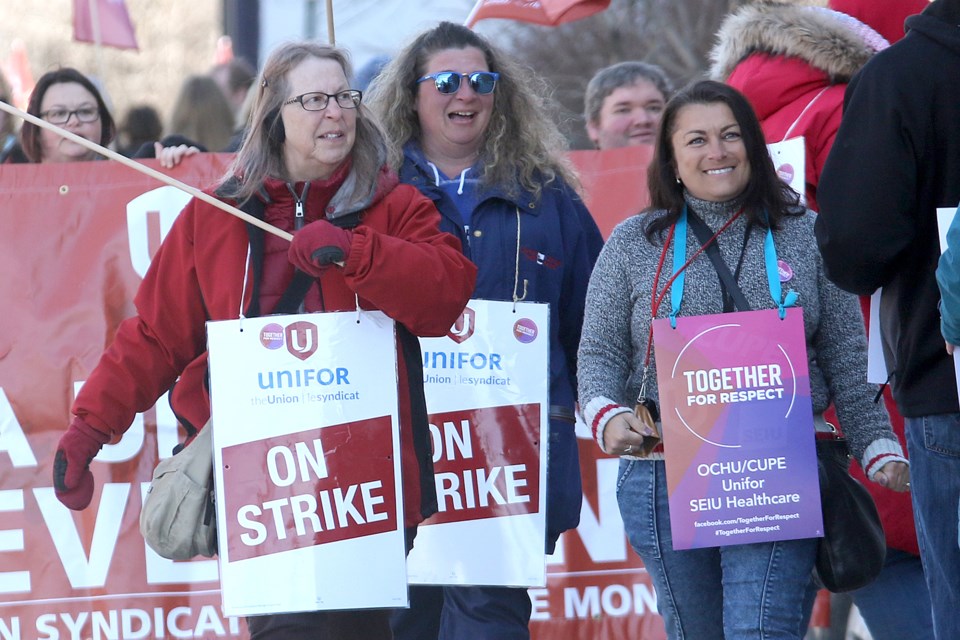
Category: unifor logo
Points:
column 464, row 326
column 302, row 339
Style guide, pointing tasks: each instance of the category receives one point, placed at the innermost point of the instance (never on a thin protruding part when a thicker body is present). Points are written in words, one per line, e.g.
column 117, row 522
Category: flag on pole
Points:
column 104, row 22
column 545, row 12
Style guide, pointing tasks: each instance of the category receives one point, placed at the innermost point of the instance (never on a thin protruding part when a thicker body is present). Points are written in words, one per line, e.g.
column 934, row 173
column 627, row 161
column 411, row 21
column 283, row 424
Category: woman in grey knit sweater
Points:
column 711, row 163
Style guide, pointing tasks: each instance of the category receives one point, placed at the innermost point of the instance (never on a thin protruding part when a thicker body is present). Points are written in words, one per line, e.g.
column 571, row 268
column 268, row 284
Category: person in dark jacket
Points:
column 471, row 132
column 313, row 165
column 895, row 160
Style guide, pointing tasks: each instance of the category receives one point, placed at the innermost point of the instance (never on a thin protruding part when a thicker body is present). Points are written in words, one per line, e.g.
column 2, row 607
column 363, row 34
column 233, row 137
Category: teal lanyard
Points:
column 679, row 271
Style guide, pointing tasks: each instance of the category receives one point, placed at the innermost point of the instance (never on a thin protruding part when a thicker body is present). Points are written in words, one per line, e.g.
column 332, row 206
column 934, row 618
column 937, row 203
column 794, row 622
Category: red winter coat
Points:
column 399, row 263
column 782, row 58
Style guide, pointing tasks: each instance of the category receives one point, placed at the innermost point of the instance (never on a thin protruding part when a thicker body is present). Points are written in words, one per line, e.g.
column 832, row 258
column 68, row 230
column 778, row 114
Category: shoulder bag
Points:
column 853, row 548
column 178, row 518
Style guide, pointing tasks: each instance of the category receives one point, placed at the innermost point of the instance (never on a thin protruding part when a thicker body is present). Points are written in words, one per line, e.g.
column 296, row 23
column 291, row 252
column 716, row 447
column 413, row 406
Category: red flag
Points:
column 546, row 12
column 105, row 22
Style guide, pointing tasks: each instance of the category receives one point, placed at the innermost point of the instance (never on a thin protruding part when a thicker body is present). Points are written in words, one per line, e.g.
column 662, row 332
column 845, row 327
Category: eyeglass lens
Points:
column 318, row 101
column 62, row 116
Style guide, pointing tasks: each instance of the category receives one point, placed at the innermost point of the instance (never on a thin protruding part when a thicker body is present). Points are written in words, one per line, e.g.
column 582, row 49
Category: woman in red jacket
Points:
column 312, row 163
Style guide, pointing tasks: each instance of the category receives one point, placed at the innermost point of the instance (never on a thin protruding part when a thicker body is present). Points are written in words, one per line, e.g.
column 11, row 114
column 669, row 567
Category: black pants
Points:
column 355, row 624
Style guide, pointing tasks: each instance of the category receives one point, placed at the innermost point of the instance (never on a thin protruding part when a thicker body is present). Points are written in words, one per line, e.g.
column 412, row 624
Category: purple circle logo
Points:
column 525, row 330
column 785, row 171
column 785, row 271
column 271, row 336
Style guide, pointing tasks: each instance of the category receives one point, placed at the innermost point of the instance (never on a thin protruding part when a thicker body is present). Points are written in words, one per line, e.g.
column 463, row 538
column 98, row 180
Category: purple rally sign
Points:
column 738, row 430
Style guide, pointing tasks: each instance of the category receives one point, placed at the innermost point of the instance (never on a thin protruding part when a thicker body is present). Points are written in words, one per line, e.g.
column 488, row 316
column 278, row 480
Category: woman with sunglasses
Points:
column 312, row 163
column 472, row 133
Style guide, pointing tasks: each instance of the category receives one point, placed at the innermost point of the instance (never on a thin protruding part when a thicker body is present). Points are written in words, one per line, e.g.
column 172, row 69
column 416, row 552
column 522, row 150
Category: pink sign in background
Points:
column 738, row 428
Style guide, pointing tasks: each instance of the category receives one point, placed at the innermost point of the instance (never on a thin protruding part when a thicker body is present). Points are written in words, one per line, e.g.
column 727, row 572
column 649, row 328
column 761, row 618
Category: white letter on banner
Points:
column 12, row 540
column 82, row 572
column 10, row 631
column 167, row 202
column 12, row 439
column 130, row 618
column 586, row 607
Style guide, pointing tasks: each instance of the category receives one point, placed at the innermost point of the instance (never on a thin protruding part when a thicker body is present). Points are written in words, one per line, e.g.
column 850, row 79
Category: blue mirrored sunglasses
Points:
column 483, row 82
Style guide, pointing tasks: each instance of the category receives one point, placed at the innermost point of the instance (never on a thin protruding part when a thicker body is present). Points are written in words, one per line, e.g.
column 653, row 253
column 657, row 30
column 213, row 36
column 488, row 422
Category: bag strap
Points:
column 292, row 298
column 727, row 281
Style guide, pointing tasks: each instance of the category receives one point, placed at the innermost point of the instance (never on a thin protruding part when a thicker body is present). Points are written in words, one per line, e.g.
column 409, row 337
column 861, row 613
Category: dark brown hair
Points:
column 766, row 198
column 30, row 133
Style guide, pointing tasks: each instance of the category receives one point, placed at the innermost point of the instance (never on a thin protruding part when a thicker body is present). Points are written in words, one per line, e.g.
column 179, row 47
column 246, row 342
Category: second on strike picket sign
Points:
column 486, row 386
column 307, row 463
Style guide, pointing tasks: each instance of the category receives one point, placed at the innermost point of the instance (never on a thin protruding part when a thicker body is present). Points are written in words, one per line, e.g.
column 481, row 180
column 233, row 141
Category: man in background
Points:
column 623, row 104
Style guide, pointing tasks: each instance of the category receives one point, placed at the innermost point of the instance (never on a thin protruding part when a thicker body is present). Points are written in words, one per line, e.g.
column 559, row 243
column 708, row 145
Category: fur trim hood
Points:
column 826, row 40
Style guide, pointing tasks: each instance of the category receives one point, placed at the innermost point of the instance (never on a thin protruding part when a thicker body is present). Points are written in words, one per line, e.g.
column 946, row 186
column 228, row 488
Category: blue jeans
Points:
column 933, row 443
column 743, row 592
column 897, row 604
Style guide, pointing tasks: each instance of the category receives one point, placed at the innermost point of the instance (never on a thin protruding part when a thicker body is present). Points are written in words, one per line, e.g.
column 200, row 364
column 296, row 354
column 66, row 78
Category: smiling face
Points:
column 316, row 142
column 69, row 96
column 630, row 115
column 453, row 125
column 711, row 159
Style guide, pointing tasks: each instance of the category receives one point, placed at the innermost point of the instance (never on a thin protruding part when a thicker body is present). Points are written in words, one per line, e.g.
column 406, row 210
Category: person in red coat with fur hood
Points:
column 793, row 62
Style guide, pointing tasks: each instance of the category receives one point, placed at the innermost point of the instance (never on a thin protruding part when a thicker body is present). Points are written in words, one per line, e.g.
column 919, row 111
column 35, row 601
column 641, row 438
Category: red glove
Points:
column 72, row 480
column 319, row 245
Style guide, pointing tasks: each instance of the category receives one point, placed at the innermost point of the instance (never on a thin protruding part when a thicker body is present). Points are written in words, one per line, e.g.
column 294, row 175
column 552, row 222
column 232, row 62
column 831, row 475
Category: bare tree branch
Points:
column 675, row 34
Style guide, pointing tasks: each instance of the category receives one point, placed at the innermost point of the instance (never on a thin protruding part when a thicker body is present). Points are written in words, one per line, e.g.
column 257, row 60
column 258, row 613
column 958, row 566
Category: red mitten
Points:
column 72, row 480
column 318, row 246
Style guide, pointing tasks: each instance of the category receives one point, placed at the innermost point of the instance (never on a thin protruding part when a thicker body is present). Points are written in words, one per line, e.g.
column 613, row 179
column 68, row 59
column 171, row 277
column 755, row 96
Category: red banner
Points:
column 545, row 12
column 77, row 239
column 103, row 22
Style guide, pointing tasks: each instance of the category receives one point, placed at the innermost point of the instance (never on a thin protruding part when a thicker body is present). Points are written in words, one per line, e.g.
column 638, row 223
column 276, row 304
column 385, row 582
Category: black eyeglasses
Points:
column 62, row 116
column 483, row 82
column 318, row 100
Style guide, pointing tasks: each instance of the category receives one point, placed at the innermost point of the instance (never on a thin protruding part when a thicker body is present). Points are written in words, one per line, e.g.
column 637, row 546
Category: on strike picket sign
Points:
column 738, row 429
column 486, row 386
column 307, row 463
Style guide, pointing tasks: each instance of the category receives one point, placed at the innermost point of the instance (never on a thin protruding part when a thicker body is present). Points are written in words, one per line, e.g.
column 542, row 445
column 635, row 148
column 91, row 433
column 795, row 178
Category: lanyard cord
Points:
column 655, row 299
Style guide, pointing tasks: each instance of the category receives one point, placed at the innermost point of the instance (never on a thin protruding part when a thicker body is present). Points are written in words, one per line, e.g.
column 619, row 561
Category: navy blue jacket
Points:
column 559, row 243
